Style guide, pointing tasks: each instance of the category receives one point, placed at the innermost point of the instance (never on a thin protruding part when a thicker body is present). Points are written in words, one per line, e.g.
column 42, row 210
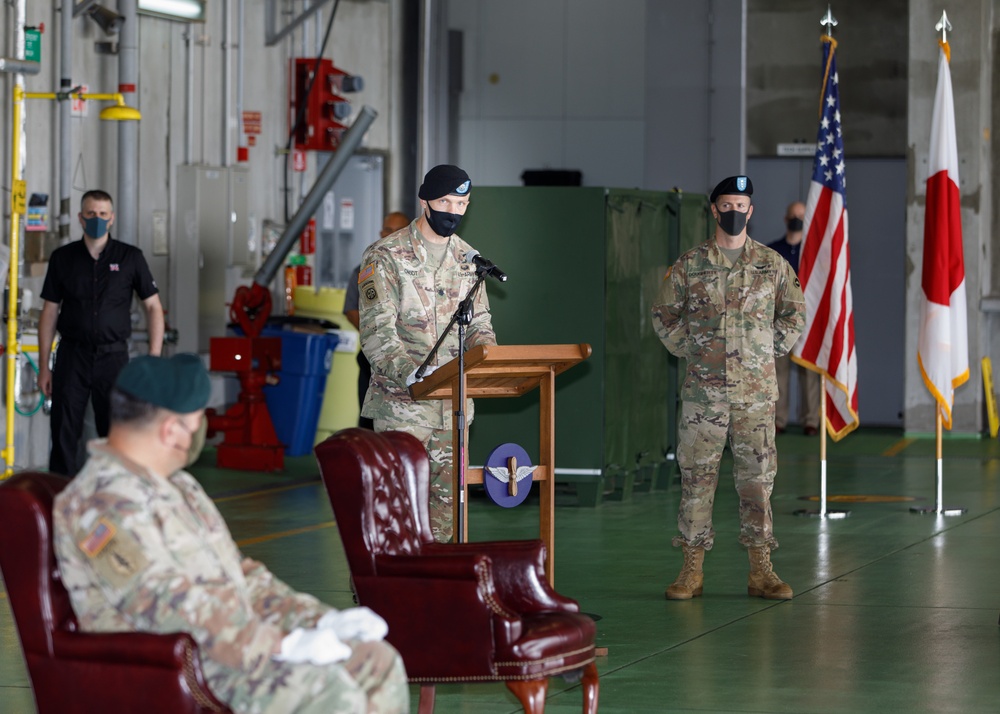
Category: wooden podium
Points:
column 509, row 371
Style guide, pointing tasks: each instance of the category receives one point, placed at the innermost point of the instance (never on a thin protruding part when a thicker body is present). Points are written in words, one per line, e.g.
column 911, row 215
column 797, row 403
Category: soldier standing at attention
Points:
column 410, row 285
column 142, row 548
column 728, row 307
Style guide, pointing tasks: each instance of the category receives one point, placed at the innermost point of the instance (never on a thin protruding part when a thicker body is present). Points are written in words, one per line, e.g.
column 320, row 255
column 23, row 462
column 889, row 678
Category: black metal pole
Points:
column 462, row 316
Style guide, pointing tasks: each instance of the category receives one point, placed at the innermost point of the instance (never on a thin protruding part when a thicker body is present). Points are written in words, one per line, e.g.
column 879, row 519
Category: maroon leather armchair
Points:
column 74, row 671
column 468, row 612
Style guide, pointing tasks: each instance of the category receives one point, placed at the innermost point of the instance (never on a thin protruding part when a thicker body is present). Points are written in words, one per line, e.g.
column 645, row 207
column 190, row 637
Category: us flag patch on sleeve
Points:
column 99, row 536
column 367, row 272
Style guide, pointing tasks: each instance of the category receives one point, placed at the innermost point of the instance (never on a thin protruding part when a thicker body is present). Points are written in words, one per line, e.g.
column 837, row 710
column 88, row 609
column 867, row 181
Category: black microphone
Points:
column 486, row 266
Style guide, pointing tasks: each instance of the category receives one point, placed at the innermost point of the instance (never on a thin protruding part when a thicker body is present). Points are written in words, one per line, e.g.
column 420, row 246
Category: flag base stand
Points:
column 951, row 511
column 832, row 515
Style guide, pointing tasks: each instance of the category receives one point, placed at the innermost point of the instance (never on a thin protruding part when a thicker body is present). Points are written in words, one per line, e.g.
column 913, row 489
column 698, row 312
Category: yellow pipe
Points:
column 119, row 112
column 18, row 199
column 118, row 98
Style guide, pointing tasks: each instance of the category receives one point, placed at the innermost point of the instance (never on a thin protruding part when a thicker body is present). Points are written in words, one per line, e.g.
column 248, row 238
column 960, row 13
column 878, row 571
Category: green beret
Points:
column 179, row 384
column 733, row 186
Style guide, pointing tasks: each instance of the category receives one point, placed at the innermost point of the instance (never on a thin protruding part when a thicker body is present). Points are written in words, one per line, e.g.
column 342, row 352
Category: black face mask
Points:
column 442, row 223
column 732, row 222
column 794, row 224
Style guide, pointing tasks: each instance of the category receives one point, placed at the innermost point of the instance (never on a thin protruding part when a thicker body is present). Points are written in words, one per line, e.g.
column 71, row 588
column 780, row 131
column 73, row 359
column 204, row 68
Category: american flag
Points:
column 827, row 344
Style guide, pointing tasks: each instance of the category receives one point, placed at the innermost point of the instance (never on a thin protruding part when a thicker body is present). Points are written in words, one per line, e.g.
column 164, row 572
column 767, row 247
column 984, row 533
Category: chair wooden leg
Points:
column 426, row 705
column 591, row 689
column 531, row 693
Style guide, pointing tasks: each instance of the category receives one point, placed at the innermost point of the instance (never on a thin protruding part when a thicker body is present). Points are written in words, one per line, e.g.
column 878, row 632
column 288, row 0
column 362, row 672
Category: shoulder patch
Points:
column 120, row 560
column 370, row 291
column 99, row 536
column 669, row 271
column 366, row 272
column 797, row 283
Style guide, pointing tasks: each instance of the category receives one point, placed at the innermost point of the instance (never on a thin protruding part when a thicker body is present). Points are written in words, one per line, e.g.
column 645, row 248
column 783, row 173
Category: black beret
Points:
column 733, row 186
column 179, row 384
column 442, row 180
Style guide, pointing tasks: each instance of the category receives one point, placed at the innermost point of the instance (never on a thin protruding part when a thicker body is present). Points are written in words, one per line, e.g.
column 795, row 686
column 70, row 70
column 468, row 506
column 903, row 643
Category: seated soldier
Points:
column 141, row 547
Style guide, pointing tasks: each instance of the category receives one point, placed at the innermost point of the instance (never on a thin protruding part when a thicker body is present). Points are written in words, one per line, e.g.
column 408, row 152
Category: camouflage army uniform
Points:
column 405, row 303
column 729, row 322
column 138, row 552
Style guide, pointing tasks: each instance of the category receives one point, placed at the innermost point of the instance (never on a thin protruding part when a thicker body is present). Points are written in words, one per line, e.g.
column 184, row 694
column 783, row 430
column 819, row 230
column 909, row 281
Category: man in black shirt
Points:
column 88, row 297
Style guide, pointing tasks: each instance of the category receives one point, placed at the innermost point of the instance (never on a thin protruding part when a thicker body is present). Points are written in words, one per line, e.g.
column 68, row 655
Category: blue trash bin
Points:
column 295, row 402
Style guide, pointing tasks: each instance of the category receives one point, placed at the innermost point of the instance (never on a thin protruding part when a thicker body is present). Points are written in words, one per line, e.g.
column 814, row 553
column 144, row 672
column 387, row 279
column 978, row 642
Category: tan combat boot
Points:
column 763, row 581
column 689, row 582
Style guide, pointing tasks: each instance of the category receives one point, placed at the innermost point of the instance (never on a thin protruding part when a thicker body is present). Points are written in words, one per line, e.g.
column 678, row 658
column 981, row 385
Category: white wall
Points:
column 552, row 84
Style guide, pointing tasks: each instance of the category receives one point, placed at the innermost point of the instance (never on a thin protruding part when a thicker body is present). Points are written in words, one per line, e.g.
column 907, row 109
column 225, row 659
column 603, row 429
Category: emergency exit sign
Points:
column 32, row 45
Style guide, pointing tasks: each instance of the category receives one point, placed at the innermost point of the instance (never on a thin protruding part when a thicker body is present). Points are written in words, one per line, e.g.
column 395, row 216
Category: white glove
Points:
column 355, row 623
column 318, row 646
column 412, row 379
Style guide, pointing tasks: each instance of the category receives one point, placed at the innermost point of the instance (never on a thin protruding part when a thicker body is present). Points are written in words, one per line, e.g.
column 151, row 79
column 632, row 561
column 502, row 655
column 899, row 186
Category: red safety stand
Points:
column 249, row 443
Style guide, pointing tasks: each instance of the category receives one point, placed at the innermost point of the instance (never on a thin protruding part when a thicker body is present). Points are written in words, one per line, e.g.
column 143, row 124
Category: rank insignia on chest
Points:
column 113, row 267
column 99, row 536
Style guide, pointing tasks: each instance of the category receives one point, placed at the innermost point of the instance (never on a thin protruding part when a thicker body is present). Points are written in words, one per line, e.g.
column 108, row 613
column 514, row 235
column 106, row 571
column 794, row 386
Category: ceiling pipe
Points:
column 227, row 83
column 127, row 200
column 65, row 110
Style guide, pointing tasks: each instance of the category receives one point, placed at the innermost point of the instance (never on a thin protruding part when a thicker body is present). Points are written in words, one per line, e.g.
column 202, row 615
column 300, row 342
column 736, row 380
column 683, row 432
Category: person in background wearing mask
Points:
column 87, row 297
column 142, row 548
column 728, row 307
column 410, row 285
column 392, row 222
column 789, row 247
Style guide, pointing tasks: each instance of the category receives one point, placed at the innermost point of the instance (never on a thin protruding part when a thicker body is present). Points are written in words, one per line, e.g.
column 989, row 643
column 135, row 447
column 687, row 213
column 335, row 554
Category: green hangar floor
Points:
column 893, row 611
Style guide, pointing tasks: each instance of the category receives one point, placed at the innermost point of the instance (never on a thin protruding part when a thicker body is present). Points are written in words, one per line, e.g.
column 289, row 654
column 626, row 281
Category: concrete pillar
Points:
column 972, row 68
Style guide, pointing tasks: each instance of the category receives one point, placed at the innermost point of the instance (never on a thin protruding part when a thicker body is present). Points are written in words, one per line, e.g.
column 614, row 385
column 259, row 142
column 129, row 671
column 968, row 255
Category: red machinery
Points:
column 250, row 443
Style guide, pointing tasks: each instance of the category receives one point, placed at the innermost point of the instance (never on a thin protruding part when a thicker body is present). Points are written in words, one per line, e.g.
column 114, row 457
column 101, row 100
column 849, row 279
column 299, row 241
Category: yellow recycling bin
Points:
column 340, row 408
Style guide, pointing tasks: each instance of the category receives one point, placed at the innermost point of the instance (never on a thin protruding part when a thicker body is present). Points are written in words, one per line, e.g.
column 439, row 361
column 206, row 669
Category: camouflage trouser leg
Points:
column 704, row 429
column 372, row 680
column 755, row 462
column 438, row 443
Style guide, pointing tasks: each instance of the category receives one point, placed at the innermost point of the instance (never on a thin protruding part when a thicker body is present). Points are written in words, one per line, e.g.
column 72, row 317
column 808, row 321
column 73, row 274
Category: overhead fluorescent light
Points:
column 186, row 10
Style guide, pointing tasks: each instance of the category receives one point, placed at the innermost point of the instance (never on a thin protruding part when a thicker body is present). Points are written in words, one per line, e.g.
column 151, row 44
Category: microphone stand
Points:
column 463, row 317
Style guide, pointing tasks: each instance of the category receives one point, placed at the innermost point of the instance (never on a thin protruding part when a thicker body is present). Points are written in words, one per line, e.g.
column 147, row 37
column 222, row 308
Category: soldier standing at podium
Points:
column 729, row 307
column 410, row 285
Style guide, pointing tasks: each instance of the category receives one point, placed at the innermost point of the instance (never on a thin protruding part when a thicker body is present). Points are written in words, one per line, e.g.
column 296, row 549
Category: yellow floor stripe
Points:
column 897, row 447
column 265, row 491
column 284, row 534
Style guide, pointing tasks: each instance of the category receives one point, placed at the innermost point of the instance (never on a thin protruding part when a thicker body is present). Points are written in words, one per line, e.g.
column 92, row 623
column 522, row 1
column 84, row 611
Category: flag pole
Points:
column 939, row 508
column 823, row 511
column 828, row 22
column 940, row 402
column 822, row 448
